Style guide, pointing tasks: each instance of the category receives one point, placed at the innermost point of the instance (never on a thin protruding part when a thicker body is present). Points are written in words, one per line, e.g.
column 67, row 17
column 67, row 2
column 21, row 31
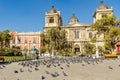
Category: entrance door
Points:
column 76, row 48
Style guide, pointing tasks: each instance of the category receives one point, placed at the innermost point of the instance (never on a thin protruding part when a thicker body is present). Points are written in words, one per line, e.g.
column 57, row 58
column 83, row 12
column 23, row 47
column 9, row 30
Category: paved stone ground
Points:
column 108, row 69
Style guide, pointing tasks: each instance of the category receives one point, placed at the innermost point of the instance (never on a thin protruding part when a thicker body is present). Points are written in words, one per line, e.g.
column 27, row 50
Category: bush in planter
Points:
column 9, row 54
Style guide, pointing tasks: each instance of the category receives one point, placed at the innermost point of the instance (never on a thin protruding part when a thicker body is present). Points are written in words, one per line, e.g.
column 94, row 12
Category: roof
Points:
column 102, row 6
column 52, row 10
column 73, row 20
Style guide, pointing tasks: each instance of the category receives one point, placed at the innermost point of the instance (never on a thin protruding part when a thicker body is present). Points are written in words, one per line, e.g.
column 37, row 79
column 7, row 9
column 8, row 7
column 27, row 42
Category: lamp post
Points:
column 29, row 48
column 96, row 53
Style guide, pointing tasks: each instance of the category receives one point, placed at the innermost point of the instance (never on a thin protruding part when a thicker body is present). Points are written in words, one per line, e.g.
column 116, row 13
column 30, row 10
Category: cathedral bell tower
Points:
column 52, row 19
column 101, row 10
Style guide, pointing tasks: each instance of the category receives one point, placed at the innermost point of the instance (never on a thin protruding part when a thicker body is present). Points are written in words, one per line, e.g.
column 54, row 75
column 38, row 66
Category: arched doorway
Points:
column 76, row 48
column 118, row 47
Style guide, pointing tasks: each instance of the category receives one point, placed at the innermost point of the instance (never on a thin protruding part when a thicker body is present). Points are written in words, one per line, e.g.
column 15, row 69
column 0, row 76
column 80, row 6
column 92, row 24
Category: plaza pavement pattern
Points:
column 62, row 68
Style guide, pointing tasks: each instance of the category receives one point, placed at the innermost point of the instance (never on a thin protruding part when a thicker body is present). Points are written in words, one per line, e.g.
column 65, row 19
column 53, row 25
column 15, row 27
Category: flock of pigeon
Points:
column 55, row 62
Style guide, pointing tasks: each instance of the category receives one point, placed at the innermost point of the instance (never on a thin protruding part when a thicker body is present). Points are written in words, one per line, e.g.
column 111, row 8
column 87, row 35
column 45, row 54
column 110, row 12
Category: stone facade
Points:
column 101, row 10
column 77, row 32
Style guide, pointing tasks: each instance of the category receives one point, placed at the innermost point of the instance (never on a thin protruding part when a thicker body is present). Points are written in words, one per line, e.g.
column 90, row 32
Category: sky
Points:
column 29, row 15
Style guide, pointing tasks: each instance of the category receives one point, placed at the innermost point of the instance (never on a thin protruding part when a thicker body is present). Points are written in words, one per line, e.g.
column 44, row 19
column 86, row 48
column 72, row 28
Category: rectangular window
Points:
column 76, row 34
column 25, row 41
column 34, row 40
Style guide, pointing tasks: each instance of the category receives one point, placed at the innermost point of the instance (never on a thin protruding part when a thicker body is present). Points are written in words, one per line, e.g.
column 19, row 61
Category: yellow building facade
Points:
column 77, row 32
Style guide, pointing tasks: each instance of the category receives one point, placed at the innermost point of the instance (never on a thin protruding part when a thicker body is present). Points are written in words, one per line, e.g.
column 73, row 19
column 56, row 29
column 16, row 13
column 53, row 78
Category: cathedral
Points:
column 77, row 32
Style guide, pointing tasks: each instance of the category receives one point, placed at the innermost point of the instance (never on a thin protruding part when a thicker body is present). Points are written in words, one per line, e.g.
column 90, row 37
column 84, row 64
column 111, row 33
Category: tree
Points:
column 5, row 38
column 107, row 26
column 55, row 40
column 100, row 49
column 89, row 48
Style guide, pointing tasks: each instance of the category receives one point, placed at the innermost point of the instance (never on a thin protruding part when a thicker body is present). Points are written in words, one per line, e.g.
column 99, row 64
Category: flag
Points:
column 18, row 39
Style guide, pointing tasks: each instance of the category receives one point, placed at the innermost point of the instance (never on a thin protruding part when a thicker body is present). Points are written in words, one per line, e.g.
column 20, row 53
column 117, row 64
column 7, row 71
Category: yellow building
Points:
column 77, row 32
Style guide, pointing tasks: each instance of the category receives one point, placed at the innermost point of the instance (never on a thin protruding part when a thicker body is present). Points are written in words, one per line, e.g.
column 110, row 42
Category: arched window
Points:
column 51, row 20
column 90, row 34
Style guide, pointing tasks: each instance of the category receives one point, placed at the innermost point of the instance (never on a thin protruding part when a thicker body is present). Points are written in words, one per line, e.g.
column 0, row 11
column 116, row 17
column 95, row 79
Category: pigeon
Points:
column 15, row 71
column 56, row 74
column 47, row 72
column 29, row 70
column 58, row 64
column 83, row 64
column 42, row 77
column 68, row 65
column 119, row 65
column 36, row 69
column 48, row 66
column 110, row 67
column 53, row 75
column 4, row 66
column 61, row 67
column 21, row 70
column 64, row 73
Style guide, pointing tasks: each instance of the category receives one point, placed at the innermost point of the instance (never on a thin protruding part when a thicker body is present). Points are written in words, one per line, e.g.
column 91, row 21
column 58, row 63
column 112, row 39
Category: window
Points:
column 51, row 20
column 76, row 34
column 25, row 40
column 90, row 35
column 25, row 47
column 34, row 40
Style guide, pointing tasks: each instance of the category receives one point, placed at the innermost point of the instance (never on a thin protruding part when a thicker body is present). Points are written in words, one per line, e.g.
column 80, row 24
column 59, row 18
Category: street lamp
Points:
column 29, row 48
column 96, row 53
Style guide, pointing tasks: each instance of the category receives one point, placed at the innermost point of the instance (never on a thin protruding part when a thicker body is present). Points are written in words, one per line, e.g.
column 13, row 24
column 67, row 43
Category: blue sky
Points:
column 29, row 15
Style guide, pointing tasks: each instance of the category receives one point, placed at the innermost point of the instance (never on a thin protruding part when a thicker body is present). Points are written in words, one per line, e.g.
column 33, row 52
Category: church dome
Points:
column 73, row 20
column 52, row 10
column 102, row 6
